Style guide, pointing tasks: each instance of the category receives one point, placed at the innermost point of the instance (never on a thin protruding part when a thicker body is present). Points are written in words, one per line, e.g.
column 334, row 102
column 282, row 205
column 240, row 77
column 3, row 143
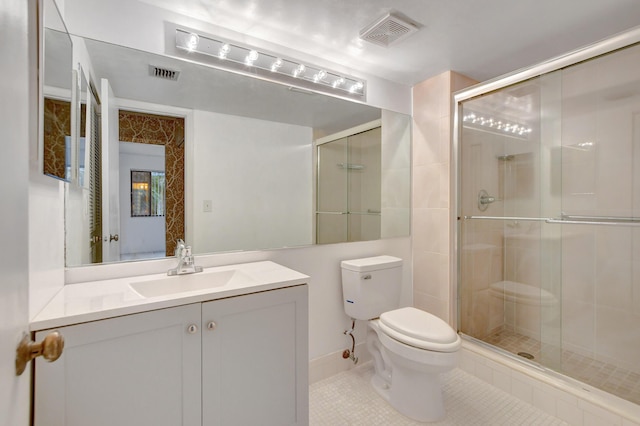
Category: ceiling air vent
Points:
column 388, row 30
column 164, row 73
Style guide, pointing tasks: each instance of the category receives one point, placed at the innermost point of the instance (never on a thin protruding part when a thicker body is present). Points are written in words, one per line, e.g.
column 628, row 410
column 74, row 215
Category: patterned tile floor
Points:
column 610, row 378
column 349, row 399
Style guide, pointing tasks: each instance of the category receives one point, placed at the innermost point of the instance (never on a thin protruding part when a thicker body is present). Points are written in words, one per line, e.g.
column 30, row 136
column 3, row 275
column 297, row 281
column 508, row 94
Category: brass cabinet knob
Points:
column 113, row 237
column 50, row 349
column 211, row 325
column 192, row 329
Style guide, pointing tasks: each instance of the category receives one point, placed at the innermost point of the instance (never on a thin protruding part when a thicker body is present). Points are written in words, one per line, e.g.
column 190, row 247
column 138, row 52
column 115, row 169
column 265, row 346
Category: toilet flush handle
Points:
column 367, row 277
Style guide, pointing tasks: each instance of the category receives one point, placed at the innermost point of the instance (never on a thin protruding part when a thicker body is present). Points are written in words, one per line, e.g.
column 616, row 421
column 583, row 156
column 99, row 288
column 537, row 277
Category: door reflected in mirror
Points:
column 151, row 143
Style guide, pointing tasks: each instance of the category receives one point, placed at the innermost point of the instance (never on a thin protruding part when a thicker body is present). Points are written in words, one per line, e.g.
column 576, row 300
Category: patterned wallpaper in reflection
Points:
column 57, row 125
column 168, row 131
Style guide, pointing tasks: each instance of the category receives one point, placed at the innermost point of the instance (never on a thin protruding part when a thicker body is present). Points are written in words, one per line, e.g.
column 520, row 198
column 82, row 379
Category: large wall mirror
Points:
column 226, row 161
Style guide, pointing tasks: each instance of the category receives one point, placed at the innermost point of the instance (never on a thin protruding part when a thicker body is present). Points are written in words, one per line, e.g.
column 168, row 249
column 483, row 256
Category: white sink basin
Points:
column 189, row 282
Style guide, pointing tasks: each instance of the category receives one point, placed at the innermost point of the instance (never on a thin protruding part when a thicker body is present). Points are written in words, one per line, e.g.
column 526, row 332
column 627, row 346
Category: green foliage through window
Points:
column 147, row 193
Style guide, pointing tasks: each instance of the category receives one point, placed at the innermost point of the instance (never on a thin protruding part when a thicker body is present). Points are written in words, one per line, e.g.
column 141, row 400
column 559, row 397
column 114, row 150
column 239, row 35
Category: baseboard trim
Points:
column 333, row 363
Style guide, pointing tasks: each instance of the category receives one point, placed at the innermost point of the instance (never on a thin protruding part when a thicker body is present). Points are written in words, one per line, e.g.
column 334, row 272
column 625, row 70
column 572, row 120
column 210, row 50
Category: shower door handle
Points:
column 487, row 199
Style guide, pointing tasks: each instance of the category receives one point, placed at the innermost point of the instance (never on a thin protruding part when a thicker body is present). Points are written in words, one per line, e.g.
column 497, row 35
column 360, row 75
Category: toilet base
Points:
column 408, row 378
column 417, row 396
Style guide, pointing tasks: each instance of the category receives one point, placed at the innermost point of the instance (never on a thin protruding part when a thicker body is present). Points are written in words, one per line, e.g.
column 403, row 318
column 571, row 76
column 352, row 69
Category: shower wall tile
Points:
column 436, row 267
column 431, row 182
column 433, row 99
column 430, row 304
column 613, row 268
column 423, row 151
column 578, row 265
column 578, row 325
column 428, row 186
column 617, row 337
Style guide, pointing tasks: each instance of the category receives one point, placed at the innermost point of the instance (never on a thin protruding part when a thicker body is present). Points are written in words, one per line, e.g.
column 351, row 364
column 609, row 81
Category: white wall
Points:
column 139, row 234
column 257, row 176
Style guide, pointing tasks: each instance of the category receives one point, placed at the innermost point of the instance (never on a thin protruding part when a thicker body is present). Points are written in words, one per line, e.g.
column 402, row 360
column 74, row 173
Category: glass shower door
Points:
column 349, row 188
column 509, row 272
column 549, row 232
column 331, row 216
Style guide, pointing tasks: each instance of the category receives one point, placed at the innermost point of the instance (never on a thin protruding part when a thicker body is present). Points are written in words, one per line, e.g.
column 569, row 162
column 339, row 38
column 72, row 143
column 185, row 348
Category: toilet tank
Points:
column 371, row 286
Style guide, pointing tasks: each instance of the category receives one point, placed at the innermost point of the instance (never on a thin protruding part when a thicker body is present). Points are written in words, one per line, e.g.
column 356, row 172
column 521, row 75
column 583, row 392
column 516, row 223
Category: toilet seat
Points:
column 419, row 329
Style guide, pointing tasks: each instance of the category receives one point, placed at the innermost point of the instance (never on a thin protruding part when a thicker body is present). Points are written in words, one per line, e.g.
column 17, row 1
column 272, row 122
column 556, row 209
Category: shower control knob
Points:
column 192, row 329
column 211, row 326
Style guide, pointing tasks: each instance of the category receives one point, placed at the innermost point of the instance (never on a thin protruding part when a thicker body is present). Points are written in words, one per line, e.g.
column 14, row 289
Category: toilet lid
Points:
column 420, row 329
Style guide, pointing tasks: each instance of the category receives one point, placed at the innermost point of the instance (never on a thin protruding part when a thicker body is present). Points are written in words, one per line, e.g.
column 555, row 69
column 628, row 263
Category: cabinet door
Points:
column 255, row 359
column 141, row 369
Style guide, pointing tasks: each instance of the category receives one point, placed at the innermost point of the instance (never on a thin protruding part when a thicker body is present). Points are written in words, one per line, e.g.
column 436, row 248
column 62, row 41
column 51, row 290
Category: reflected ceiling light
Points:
column 501, row 126
column 299, row 71
column 251, row 57
column 192, row 42
column 581, row 146
column 224, row 51
column 233, row 57
column 319, row 76
column 356, row 87
column 276, row 65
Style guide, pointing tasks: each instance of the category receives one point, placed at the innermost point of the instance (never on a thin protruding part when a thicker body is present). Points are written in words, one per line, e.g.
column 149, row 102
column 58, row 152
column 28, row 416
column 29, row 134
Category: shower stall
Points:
column 548, row 235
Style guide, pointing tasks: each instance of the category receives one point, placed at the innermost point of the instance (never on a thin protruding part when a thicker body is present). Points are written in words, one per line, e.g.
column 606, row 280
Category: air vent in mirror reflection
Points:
column 164, row 73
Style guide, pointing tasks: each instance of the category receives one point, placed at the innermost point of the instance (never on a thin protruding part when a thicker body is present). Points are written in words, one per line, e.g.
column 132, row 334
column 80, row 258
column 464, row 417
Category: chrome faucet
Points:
column 186, row 264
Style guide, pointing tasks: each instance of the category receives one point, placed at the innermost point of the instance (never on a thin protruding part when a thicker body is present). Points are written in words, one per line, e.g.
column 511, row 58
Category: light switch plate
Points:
column 207, row 206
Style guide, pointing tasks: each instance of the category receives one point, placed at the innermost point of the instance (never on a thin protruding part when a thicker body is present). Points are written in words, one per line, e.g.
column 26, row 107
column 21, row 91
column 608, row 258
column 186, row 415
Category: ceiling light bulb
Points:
column 339, row 82
column 192, row 42
column 224, row 50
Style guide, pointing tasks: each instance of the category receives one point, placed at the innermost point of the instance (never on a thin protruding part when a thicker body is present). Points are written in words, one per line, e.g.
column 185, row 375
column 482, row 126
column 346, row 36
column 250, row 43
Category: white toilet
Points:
column 410, row 347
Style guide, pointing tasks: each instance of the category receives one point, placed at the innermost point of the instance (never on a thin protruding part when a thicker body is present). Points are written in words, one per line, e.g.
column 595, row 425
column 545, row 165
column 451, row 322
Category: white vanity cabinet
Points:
column 141, row 369
column 241, row 360
column 255, row 359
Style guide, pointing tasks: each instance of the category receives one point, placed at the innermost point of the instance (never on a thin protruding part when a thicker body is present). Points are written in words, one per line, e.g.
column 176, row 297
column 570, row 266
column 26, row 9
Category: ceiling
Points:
column 480, row 39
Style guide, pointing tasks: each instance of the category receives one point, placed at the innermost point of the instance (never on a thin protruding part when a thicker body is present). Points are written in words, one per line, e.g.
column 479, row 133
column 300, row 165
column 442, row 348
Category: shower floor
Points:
column 608, row 377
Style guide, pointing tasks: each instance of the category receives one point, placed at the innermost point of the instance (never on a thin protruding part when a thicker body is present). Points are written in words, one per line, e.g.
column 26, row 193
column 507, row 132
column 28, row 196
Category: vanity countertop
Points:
column 97, row 300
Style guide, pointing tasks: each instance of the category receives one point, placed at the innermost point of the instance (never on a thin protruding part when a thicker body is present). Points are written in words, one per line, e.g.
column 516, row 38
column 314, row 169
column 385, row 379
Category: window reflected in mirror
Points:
column 147, row 193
